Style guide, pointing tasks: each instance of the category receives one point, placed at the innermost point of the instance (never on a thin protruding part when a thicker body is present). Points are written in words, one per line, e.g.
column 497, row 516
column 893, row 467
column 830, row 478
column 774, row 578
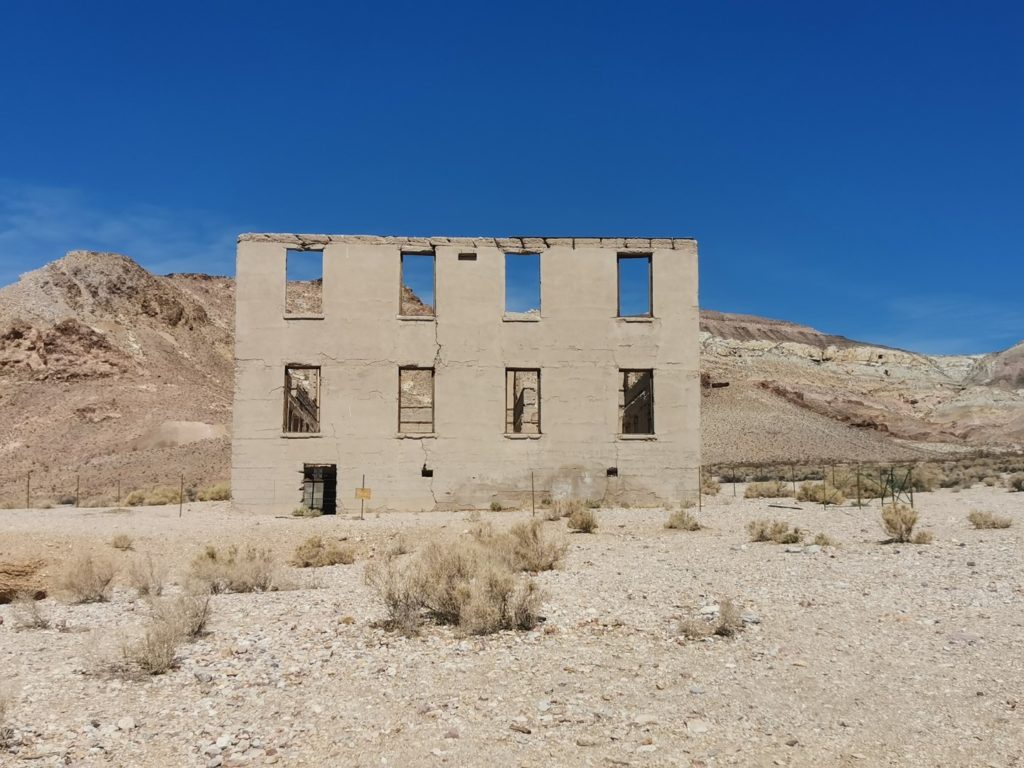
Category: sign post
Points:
column 363, row 493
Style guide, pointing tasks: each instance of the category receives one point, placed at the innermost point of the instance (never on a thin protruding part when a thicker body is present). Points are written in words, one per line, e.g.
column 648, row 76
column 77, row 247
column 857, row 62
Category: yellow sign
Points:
column 363, row 493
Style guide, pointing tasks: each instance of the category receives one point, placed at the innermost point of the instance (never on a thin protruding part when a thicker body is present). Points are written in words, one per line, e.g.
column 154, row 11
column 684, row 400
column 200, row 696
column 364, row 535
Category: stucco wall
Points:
column 579, row 345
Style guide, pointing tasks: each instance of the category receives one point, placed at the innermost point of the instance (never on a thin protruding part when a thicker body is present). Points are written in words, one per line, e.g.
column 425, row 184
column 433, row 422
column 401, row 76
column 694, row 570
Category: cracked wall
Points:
column 360, row 342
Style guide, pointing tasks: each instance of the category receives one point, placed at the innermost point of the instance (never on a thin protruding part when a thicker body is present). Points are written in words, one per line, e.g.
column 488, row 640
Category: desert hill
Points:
column 111, row 374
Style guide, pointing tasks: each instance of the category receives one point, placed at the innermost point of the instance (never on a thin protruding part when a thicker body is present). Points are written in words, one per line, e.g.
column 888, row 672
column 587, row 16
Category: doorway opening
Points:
column 320, row 487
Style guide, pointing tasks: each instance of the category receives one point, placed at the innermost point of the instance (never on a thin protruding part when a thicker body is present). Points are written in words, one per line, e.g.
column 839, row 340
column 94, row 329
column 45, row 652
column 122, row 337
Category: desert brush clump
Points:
column 122, row 541
column 770, row 489
column 820, row 493
column 304, row 511
column 899, row 521
column 235, row 570
column 583, row 520
column 27, row 613
column 1015, row 482
column 682, row 520
column 87, row 580
column 147, row 576
column 982, row 520
column 314, row 552
column 775, row 531
column 218, row 492
column 6, row 706
column 172, row 622
column 496, row 506
column 467, row 583
column 566, row 507
column 824, row 540
column 524, row 547
column 725, row 622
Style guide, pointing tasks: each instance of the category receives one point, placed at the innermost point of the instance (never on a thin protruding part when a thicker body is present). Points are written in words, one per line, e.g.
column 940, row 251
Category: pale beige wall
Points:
column 360, row 342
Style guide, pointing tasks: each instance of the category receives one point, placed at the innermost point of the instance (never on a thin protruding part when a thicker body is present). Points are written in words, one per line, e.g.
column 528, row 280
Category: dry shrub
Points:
column 468, row 584
column 6, row 705
column 583, row 521
column 218, row 492
column 135, row 499
column 820, row 493
column 163, row 495
column 922, row 537
column 899, row 521
column 566, row 507
column 172, row 622
column 593, row 503
column 682, row 520
column 314, row 552
column 775, row 531
column 473, row 516
column 496, row 506
column 987, row 520
column 709, row 486
column 147, row 576
column 524, row 547
column 87, row 580
column 824, row 540
column 305, row 511
column 235, row 570
column 727, row 622
column 122, row 541
column 1015, row 482
column 772, row 489
column 551, row 514
column 27, row 614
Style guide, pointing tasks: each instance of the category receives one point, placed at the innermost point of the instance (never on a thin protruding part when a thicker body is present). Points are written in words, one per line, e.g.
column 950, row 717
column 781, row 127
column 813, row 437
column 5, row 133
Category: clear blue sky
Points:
column 856, row 166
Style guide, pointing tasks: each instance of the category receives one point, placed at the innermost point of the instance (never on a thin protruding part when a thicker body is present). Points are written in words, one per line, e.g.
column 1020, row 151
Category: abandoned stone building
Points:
column 458, row 372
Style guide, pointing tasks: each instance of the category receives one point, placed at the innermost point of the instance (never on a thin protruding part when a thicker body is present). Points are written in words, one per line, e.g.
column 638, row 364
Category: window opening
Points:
column 304, row 283
column 415, row 400
column 522, row 401
column 301, row 399
column 634, row 285
column 320, row 487
column 417, row 285
column 522, row 284
column 636, row 402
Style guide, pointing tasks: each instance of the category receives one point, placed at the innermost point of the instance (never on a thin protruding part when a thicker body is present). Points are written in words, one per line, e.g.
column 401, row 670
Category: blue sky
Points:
column 857, row 167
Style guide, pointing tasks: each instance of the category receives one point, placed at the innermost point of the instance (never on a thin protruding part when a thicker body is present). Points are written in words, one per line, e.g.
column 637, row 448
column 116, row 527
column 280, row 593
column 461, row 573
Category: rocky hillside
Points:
column 110, row 374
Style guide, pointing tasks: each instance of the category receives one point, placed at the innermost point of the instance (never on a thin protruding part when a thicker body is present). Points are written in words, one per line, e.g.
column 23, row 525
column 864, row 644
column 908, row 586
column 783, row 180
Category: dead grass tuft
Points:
column 1015, row 482
column 982, row 520
column 87, row 580
column 122, row 541
column 824, row 540
column 566, row 507
column 218, row 492
column 172, row 623
column 583, row 521
column 305, row 511
column 235, row 570
column 524, row 547
column 27, row 614
column 496, row 506
column 147, row 576
column 726, row 622
column 682, row 520
column 772, row 489
column 6, row 705
column 899, row 521
column 820, row 493
column 314, row 552
column 775, row 531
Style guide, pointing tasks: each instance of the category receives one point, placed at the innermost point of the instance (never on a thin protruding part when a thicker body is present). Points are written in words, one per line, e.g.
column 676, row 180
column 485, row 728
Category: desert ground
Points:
column 864, row 653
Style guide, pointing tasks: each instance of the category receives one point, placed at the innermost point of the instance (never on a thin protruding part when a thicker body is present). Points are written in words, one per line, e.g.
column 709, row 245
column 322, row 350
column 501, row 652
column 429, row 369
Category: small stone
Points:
column 644, row 719
column 696, row 690
column 520, row 728
column 451, row 733
column 791, row 742
column 215, row 762
column 697, row 726
column 203, row 677
column 543, row 705
column 812, row 549
column 971, row 563
column 586, row 741
column 125, row 724
column 708, row 610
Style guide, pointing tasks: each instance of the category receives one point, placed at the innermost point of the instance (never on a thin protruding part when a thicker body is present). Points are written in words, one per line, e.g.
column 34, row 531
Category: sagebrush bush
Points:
column 172, row 623
column 709, row 486
column 304, row 511
column 1015, row 482
column 771, row 489
column 775, row 531
column 565, row 507
column 27, row 613
column 981, row 519
column 235, row 570
column 218, row 492
column 725, row 623
column 899, row 521
column 496, row 506
column 6, row 706
column 820, row 493
column 583, row 521
column 466, row 583
column 135, row 499
column 525, row 546
column 314, row 552
column 824, row 540
column 147, row 576
column 682, row 520
column 87, row 580
column 122, row 541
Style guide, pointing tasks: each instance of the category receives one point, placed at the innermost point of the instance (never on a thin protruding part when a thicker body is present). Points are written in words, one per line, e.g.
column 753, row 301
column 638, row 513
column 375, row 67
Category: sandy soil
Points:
column 866, row 654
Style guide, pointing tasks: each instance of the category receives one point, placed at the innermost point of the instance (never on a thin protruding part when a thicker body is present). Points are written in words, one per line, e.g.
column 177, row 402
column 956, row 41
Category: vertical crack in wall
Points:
column 426, row 463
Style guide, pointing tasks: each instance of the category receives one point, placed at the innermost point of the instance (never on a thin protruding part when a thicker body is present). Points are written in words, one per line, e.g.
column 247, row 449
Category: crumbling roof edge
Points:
column 310, row 241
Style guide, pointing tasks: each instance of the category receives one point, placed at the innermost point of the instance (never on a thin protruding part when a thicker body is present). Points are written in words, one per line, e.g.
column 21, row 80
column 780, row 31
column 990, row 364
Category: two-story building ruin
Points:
column 457, row 372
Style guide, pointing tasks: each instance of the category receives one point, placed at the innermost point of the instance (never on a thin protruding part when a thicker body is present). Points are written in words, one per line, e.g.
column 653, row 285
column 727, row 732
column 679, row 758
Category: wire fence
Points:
column 45, row 490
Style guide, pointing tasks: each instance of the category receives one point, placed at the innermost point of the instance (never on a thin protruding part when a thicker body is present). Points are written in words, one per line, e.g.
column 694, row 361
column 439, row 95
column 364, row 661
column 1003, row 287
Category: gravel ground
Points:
column 865, row 654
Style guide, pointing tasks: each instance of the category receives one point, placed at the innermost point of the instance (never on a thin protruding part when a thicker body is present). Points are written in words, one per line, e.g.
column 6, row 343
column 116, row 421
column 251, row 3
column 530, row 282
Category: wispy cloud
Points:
column 39, row 224
column 938, row 324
